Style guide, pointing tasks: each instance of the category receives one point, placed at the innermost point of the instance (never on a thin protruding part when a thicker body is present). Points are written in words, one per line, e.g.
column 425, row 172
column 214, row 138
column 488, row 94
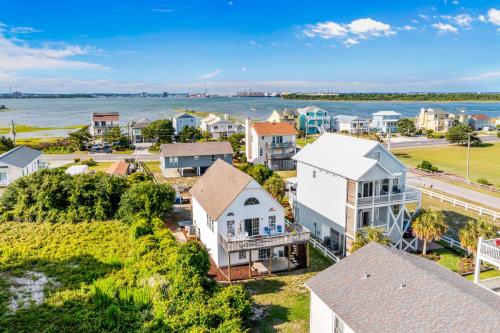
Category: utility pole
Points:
column 13, row 132
column 468, row 158
column 389, row 140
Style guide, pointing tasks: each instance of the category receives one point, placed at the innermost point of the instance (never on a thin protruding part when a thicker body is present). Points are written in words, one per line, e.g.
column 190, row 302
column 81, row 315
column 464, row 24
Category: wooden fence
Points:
column 323, row 250
column 458, row 203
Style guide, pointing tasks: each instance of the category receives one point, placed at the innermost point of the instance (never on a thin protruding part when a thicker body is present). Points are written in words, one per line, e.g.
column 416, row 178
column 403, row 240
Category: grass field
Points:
column 484, row 160
column 20, row 128
column 285, row 299
column 301, row 142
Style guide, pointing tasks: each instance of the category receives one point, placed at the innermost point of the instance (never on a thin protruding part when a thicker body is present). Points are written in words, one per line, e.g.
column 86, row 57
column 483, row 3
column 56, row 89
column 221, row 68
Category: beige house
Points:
column 284, row 116
column 434, row 119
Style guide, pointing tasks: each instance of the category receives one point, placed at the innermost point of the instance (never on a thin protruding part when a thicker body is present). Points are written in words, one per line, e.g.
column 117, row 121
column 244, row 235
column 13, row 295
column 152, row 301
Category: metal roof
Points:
column 386, row 113
column 311, row 108
column 340, row 154
column 183, row 115
column 20, row 156
column 382, row 289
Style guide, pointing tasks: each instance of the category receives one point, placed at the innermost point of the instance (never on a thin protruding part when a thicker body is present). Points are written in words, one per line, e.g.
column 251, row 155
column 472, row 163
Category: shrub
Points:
column 260, row 173
column 76, row 160
column 89, row 162
column 140, row 228
column 276, row 186
column 426, row 165
column 483, row 181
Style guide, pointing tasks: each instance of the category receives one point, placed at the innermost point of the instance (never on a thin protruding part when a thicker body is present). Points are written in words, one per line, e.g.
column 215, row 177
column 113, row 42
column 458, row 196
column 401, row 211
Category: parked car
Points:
column 101, row 148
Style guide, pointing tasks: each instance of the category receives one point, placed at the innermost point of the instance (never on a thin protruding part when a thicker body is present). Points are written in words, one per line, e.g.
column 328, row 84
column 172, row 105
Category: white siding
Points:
column 322, row 317
column 207, row 236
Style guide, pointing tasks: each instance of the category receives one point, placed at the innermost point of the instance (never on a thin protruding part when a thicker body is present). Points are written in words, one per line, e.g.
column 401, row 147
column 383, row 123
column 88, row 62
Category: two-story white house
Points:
column 351, row 124
column 382, row 289
column 385, row 121
column 271, row 144
column 219, row 127
column 102, row 122
column 345, row 184
column 18, row 162
column 182, row 120
column 240, row 223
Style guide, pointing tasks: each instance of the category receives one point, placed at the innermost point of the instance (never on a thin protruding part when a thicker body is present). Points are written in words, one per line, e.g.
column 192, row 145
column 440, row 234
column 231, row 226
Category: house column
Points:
column 477, row 268
column 198, row 171
column 307, row 254
column 229, row 266
column 269, row 266
column 288, row 256
column 249, row 263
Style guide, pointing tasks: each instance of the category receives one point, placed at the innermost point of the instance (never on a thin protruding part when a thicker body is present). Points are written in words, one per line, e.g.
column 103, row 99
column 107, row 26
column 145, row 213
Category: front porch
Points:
column 488, row 250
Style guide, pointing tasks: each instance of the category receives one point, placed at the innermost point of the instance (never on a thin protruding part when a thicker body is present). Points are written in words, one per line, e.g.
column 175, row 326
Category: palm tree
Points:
column 368, row 235
column 470, row 233
column 428, row 226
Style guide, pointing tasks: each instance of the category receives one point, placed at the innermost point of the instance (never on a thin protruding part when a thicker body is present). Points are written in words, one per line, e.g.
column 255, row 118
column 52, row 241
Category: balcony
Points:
column 490, row 251
column 293, row 234
column 279, row 156
column 277, row 145
column 404, row 196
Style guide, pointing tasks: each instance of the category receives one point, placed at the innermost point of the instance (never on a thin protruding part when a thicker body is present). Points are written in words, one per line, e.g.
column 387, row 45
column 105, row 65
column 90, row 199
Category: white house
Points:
column 19, row 162
column 385, row 121
column 271, row 144
column 182, row 120
column 101, row 122
column 219, row 127
column 351, row 124
column 382, row 289
column 345, row 184
column 241, row 223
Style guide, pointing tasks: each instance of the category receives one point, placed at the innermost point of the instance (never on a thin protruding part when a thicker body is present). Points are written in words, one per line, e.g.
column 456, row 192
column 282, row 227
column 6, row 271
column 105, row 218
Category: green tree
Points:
column 428, row 226
column 406, row 126
column 79, row 139
column 138, row 177
column 160, row 131
column 459, row 134
column 236, row 141
column 6, row 144
column 260, row 173
column 276, row 186
column 117, row 138
column 189, row 134
column 369, row 234
column 470, row 233
column 147, row 200
column 206, row 135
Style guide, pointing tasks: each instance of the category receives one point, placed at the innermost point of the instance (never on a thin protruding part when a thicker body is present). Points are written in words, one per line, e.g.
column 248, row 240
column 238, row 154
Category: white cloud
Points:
column 444, row 28
column 455, row 2
column 23, row 30
column 16, row 54
column 494, row 16
column 350, row 33
column 255, row 44
column 210, row 75
column 230, row 3
column 425, row 17
column 162, row 10
column 308, row 45
column 462, row 20
column 482, row 18
column 408, row 28
column 243, row 69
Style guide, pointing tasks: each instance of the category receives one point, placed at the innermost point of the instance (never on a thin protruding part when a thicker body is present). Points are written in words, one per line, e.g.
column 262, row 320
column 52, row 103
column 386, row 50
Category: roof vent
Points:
column 366, row 275
column 402, row 285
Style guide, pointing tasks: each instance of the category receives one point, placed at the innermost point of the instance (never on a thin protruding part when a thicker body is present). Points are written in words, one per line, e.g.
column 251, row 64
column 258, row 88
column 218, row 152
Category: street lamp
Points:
column 468, row 158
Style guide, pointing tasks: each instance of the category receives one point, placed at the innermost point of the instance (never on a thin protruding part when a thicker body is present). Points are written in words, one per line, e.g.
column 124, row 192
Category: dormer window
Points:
column 251, row 201
column 376, row 155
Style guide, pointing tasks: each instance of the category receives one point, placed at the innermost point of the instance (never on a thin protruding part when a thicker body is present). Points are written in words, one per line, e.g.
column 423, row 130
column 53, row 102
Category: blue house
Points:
column 182, row 120
column 313, row 120
column 197, row 156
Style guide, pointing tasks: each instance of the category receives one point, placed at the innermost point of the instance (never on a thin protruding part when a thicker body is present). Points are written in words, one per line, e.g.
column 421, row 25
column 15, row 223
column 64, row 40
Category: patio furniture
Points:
column 279, row 229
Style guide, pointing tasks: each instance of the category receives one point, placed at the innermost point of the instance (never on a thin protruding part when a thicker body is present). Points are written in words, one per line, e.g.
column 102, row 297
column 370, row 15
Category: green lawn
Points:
column 20, row 128
column 287, row 174
column 301, row 142
column 484, row 160
column 285, row 299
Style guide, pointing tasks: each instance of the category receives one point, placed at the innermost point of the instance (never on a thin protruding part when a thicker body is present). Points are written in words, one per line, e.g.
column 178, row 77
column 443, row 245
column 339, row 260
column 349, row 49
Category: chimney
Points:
column 248, row 138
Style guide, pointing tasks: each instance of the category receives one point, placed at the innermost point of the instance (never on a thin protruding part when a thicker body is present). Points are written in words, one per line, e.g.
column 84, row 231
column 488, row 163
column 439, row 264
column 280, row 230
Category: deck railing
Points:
column 293, row 234
column 407, row 195
column 489, row 250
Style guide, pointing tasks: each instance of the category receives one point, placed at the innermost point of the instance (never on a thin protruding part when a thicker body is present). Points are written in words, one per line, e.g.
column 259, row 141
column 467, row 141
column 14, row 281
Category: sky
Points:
column 228, row 46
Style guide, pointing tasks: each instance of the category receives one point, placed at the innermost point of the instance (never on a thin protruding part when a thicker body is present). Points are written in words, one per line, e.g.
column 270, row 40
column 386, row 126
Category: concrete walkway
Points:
column 480, row 198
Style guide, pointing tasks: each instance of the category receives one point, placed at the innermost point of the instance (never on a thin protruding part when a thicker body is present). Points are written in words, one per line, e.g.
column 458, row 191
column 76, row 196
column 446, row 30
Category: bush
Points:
column 483, row 181
column 89, row 162
column 147, row 200
column 77, row 160
column 260, row 173
column 426, row 165
column 141, row 228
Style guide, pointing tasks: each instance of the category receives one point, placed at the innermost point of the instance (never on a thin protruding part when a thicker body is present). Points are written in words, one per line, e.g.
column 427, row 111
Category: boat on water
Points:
column 253, row 109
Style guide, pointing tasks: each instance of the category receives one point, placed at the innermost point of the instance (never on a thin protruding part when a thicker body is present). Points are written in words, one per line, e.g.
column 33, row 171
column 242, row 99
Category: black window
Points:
column 251, row 201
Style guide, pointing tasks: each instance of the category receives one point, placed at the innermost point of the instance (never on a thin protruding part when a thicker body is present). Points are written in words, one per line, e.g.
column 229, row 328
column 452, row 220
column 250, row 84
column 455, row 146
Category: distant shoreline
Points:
column 390, row 100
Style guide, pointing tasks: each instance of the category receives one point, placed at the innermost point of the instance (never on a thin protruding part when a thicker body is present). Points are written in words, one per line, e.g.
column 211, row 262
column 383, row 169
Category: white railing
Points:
column 407, row 195
column 457, row 203
column 489, row 250
column 323, row 250
column 453, row 243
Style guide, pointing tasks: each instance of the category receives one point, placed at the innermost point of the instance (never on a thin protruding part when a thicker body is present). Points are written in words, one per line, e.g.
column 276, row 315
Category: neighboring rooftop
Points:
column 118, row 169
column 77, row 169
column 20, row 156
column 340, row 154
column 105, row 116
column 218, row 187
column 311, row 108
column 196, row 149
column 386, row 113
column 480, row 117
column 213, row 119
column 141, row 123
column 349, row 119
column 274, row 128
column 183, row 115
column 381, row 289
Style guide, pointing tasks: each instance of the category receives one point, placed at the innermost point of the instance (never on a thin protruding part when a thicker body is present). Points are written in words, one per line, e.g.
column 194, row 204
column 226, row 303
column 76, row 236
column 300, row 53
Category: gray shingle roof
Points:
column 20, row 156
column 196, row 149
column 142, row 123
column 433, row 299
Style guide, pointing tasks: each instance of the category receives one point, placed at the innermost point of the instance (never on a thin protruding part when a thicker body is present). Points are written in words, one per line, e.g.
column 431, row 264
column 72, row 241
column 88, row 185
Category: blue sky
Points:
column 227, row 46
